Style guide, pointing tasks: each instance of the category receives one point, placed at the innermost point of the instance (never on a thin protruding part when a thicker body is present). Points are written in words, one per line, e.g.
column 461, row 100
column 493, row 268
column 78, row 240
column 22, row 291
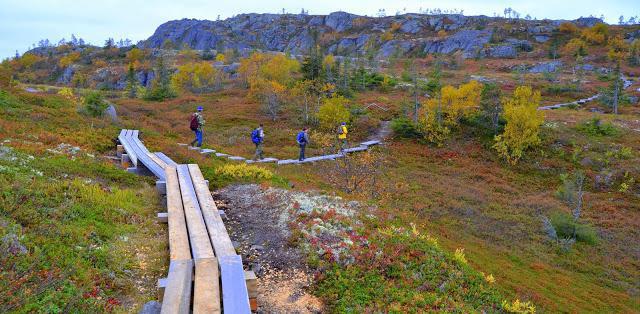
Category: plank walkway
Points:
column 361, row 147
column 626, row 84
column 205, row 272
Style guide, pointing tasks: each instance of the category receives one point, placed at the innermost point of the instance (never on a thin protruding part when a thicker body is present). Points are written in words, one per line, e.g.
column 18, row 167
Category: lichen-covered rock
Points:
column 470, row 42
column 587, row 21
column 151, row 307
column 339, row 21
column 67, row 75
column 502, row 51
column 546, row 67
column 520, row 45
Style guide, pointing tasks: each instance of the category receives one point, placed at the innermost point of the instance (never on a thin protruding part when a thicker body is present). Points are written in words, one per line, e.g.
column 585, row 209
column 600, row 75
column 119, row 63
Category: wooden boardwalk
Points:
column 205, row 272
column 361, row 147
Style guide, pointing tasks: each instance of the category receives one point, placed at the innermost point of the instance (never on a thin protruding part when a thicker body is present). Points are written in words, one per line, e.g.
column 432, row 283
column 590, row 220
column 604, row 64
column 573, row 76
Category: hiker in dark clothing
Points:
column 257, row 137
column 196, row 124
column 303, row 140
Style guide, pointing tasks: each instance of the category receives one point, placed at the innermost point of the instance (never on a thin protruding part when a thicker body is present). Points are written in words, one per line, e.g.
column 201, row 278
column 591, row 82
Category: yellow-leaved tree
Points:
column 197, row 77
column 270, row 79
column 597, row 35
column 523, row 124
column 442, row 113
column 332, row 112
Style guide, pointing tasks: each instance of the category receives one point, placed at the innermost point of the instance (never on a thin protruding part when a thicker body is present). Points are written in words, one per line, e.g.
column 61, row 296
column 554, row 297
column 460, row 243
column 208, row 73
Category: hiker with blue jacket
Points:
column 257, row 137
column 196, row 125
column 303, row 140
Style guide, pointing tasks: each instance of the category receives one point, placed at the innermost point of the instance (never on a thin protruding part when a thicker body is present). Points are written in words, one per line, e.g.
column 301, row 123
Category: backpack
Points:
column 301, row 139
column 255, row 136
column 340, row 129
column 194, row 122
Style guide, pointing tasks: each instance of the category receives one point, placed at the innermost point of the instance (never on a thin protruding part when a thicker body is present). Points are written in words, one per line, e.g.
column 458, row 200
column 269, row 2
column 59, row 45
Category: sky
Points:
column 24, row 22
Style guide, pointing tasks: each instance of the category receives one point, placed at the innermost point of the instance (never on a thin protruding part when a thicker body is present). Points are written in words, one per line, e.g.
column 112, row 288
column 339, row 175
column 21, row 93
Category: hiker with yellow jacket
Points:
column 342, row 135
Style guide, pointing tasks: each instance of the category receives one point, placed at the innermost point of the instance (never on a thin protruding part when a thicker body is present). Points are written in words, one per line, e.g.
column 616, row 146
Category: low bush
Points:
column 566, row 227
column 405, row 128
column 94, row 104
column 595, row 127
column 243, row 172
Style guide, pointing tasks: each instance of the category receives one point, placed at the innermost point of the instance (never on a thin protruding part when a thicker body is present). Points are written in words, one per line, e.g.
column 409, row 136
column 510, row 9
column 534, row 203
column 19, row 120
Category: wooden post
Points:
column 163, row 217
column 125, row 161
column 252, row 288
column 119, row 150
column 161, row 186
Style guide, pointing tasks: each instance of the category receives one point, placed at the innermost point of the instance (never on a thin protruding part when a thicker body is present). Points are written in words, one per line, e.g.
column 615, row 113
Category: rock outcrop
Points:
column 342, row 33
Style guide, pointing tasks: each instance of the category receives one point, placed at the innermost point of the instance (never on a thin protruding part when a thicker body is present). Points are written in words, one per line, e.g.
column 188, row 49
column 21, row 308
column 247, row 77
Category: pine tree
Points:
column 132, row 82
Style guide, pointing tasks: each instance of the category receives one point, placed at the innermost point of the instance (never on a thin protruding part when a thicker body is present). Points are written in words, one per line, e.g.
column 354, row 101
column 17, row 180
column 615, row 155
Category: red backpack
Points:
column 194, row 122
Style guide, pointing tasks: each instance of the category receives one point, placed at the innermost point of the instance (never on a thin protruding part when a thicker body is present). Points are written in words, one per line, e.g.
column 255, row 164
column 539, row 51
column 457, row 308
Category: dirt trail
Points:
column 383, row 132
column 254, row 219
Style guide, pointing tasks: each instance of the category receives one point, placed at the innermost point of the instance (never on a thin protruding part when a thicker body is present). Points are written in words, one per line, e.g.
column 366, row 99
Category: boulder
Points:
column 470, row 42
column 339, row 21
column 411, row 26
column 587, row 21
column 632, row 35
column 67, row 75
column 396, row 47
column 541, row 38
column 520, row 45
column 151, row 307
column 502, row 52
column 546, row 67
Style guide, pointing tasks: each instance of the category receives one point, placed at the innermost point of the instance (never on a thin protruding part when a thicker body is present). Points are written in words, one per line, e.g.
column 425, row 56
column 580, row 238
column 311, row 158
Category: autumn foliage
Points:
column 523, row 124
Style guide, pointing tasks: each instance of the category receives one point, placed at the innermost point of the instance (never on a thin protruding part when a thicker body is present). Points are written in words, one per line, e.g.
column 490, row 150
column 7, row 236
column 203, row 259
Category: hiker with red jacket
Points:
column 196, row 124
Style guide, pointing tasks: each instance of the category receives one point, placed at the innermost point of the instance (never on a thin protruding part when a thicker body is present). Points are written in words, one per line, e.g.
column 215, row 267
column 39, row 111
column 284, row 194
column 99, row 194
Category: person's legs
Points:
column 199, row 137
column 260, row 151
column 344, row 144
column 302, row 146
column 195, row 139
column 258, row 154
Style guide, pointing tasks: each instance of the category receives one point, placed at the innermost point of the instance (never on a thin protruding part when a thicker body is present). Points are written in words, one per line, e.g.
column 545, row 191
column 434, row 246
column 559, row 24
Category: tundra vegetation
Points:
column 479, row 202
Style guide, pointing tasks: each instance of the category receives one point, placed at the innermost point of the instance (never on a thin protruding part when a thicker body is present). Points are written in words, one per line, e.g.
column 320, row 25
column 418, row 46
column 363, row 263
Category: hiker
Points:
column 303, row 140
column 257, row 137
column 342, row 135
column 196, row 124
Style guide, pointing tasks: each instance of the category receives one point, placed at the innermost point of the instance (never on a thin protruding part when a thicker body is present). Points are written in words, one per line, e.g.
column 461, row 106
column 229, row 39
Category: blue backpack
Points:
column 255, row 136
column 301, row 139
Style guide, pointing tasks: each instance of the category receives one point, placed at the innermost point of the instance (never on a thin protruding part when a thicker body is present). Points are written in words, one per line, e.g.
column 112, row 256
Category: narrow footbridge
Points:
column 205, row 272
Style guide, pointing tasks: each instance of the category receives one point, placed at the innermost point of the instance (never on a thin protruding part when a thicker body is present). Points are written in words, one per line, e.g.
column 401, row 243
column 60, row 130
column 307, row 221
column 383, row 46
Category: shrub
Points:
column 595, row 127
column 566, row 227
column 405, row 128
column 243, row 172
column 332, row 112
column 94, row 104
column 518, row 306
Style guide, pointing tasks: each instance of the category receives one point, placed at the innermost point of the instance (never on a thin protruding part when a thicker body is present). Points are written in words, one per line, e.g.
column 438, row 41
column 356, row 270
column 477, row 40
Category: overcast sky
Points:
column 25, row 22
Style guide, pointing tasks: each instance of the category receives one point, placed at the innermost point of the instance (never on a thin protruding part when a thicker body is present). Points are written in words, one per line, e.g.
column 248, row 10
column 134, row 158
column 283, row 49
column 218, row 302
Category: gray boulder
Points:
column 587, row 21
column 339, row 21
column 10, row 245
column 502, row 52
column 521, row 45
column 411, row 26
column 151, row 307
column 546, row 67
column 541, row 38
column 67, row 75
column 470, row 42
column 632, row 35
column 396, row 47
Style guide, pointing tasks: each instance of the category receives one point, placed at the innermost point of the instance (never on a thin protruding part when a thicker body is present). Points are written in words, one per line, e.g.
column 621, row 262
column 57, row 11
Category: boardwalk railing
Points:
column 205, row 272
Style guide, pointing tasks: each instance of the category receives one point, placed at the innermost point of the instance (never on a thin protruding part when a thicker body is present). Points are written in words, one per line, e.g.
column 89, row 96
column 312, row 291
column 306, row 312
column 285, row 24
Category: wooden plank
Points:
column 166, row 159
column 198, row 236
column 206, row 291
column 235, row 298
column 143, row 155
column 124, row 140
column 178, row 236
column 177, row 294
column 157, row 160
column 217, row 232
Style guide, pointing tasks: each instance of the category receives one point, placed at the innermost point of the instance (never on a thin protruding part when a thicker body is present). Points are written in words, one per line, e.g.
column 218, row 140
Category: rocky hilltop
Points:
column 342, row 33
